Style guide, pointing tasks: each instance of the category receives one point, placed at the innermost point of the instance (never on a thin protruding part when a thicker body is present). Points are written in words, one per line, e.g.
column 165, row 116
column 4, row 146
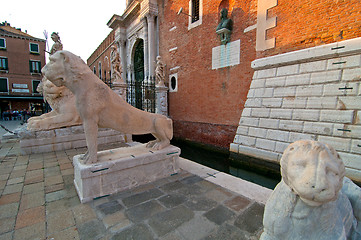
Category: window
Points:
column 2, row 43
column 35, row 85
column 196, row 12
column 4, row 85
column 100, row 70
column 94, row 70
column 35, row 66
column 3, row 63
column 34, row 48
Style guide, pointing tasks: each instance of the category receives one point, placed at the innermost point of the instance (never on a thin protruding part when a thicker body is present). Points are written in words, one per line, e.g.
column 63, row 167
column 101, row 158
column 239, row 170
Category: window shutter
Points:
column 2, row 43
column 3, row 85
column 31, row 66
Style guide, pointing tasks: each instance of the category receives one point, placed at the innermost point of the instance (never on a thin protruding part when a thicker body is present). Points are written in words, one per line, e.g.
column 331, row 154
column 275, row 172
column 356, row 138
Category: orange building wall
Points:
column 208, row 104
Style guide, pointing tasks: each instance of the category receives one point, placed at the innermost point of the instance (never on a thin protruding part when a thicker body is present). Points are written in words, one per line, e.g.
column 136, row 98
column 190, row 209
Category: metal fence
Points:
column 141, row 94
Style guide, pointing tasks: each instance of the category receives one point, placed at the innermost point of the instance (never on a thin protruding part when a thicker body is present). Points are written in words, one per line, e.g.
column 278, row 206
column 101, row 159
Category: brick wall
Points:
column 206, row 99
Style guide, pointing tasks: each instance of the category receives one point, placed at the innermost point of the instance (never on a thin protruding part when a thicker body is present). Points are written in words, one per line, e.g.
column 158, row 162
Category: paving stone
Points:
column 93, row 229
column 52, row 171
column 172, row 236
column 172, row 186
column 35, row 231
column 143, row 211
column 117, row 219
column 207, row 185
column 13, row 188
column 30, row 217
column 191, row 190
column 2, row 184
column 191, row 180
column 35, row 165
column 10, row 198
column 54, row 188
column 228, row 232
column 33, row 188
column 83, row 213
column 15, row 180
column 238, row 203
column 60, row 205
column 32, row 200
column 48, row 164
column 251, row 219
column 6, row 236
column 109, row 208
column 53, row 196
column 141, row 197
column 67, row 172
column 172, row 200
column 4, row 177
column 219, row 215
column 7, row 224
column 120, row 195
column 60, row 221
column 200, row 203
column 217, row 195
column 67, row 234
column 164, row 222
column 66, row 166
column 140, row 231
column 9, row 210
column 53, row 180
column 197, row 228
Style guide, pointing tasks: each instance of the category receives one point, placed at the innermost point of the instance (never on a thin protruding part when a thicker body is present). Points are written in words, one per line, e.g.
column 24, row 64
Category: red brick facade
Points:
column 102, row 55
column 22, row 77
column 208, row 103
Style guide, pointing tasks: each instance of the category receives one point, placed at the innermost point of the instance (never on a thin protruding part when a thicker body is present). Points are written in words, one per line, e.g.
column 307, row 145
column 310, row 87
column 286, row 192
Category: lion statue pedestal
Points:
column 123, row 168
column 314, row 199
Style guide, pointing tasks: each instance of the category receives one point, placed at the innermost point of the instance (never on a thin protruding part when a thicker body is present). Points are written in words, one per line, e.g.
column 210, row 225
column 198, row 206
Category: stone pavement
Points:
column 38, row 201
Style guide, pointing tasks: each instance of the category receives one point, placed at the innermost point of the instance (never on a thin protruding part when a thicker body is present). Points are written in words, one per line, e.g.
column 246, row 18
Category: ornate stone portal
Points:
column 313, row 200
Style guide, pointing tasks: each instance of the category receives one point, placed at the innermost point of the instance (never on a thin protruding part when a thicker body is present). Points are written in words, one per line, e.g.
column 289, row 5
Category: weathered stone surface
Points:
column 144, row 211
column 140, row 231
column 165, row 222
column 91, row 230
column 172, row 200
column 219, row 215
column 251, row 219
column 141, row 197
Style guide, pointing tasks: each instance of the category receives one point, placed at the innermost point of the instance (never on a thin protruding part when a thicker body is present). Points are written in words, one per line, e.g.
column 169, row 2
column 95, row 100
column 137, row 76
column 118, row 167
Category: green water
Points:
column 220, row 161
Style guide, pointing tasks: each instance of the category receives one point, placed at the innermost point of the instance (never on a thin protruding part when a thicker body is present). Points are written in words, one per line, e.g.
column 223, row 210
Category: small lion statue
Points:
column 314, row 199
column 99, row 106
column 62, row 103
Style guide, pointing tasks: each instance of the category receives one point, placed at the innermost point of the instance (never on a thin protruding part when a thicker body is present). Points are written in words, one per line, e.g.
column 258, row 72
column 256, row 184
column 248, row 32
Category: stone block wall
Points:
column 313, row 94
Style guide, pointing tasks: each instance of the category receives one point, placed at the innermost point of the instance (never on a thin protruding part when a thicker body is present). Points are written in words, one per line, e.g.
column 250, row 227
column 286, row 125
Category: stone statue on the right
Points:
column 160, row 72
column 314, row 199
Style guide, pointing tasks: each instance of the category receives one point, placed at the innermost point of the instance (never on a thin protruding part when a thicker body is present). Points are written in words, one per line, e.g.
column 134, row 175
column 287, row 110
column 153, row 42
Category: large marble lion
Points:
column 313, row 200
column 62, row 103
column 99, row 106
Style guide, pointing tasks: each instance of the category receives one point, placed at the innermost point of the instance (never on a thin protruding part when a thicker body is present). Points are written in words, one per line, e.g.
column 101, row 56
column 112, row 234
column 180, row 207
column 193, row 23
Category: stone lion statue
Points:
column 99, row 106
column 62, row 102
column 313, row 200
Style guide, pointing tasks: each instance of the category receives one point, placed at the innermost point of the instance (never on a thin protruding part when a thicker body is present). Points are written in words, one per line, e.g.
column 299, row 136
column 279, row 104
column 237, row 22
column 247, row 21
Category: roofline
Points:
column 14, row 35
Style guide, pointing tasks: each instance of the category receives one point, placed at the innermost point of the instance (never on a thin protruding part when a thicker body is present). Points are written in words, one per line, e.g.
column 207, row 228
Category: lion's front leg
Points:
column 91, row 136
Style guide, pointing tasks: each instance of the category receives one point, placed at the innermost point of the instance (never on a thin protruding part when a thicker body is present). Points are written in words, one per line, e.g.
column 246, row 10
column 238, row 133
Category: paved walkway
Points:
column 38, row 201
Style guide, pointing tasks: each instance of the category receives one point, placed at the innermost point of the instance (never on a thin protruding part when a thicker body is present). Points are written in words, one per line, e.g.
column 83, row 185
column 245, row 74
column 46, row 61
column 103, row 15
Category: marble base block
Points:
column 123, row 168
column 64, row 138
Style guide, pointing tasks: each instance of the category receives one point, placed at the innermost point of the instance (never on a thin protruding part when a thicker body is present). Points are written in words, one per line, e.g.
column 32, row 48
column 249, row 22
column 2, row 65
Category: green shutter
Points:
column 3, row 85
column 30, row 66
column 35, row 85
column 6, row 64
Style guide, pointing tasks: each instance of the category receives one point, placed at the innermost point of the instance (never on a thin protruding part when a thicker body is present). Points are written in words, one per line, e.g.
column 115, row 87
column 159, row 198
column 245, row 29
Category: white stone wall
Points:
column 308, row 94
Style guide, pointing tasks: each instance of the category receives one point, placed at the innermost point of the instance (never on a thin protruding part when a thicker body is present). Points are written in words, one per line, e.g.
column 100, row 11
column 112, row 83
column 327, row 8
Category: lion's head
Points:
column 61, row 65
column 313, row 170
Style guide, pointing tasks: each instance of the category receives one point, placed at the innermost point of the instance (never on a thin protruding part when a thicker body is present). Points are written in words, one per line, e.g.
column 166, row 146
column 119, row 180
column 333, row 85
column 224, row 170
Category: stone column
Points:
column 146, row 51
column 161, row 101
column 121, row 87
column 151, row 45
column 123, row 57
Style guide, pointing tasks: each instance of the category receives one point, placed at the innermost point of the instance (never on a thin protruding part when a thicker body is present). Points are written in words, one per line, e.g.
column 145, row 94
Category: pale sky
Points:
column 82, row 25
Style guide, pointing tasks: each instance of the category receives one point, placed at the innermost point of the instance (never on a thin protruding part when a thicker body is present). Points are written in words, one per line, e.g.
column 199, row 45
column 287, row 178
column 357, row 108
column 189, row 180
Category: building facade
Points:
column 290, row 70
column 21, row 59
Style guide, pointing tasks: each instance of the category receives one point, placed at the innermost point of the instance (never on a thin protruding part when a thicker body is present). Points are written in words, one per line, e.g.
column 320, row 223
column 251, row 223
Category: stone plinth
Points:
column 64, row 138
column 123, row 168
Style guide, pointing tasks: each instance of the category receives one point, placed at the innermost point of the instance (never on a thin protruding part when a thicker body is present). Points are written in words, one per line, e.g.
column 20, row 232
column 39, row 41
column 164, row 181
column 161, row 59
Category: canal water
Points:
column 220, row 161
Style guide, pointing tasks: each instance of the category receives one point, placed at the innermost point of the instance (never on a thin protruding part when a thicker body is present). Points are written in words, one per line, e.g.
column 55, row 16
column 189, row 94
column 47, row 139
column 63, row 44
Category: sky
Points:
column 82, row 25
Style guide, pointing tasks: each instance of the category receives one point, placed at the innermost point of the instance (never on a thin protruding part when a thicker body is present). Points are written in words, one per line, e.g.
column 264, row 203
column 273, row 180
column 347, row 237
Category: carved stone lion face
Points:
column 55, row 69
column 313, row 170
